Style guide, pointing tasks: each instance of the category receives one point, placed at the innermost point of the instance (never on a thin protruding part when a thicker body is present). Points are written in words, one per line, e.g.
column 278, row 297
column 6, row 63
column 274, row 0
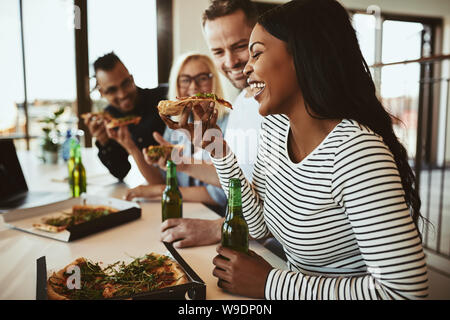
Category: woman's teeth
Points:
column 257, row 88
column 257, row 85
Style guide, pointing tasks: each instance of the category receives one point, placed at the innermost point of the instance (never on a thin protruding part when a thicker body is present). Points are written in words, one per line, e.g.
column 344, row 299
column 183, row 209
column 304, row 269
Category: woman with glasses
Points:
column 191, row 74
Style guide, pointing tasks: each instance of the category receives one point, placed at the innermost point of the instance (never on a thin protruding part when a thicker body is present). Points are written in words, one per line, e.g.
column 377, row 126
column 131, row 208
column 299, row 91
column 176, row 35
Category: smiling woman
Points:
column 332, row 183
column 271, row 73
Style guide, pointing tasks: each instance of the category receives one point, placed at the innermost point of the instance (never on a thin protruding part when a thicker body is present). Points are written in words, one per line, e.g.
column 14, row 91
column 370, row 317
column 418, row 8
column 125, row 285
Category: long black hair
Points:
column 333, row 76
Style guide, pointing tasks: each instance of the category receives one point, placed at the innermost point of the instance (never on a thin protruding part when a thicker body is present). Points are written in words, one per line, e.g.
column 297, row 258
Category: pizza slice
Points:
column 156, row 152
column 151, row 272
column 112, row 122
column 124, row 121
column 48, row 227
column 92, row 210
column 55, row 224
column 91, row 282
column 103, row 115
column 174, row 108
column 79, row 214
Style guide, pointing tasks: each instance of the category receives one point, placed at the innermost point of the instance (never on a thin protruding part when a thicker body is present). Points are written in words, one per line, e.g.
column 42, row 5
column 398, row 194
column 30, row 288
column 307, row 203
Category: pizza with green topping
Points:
column 78, row 215
column 118, row 280
column 157, row 152
column 124, row 121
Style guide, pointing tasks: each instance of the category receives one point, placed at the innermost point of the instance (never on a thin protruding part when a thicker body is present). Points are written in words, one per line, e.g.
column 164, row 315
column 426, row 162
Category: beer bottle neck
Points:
column 77, row 155
column 234, row 202
column 235, row 197
column 73, row 146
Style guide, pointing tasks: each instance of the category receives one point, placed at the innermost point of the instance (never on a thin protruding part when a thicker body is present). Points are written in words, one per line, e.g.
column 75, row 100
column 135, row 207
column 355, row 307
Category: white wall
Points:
column 188, row 32
column 187, row 17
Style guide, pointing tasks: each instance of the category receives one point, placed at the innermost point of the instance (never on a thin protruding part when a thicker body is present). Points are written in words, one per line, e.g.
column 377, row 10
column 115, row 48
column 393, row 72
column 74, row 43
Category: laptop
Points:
column 14, row 191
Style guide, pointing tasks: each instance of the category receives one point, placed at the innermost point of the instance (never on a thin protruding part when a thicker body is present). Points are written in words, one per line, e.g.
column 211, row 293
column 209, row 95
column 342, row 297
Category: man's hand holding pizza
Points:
column 122, row 136
column 96, row 127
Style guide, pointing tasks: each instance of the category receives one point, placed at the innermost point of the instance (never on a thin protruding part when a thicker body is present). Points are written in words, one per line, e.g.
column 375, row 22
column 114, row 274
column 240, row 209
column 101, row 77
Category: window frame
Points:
column 83, row 100
column 428, row 109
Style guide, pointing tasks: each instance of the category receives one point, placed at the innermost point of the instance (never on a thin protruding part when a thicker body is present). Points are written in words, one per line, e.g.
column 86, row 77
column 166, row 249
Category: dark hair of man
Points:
column 333, row 76
column 106, row 62
column 221, row 8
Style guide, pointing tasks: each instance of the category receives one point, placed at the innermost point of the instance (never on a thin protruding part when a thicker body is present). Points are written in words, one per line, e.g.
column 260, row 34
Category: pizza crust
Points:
column 101, row 115
column 48, row 227
column 115, row 122
column 59, row 279
column 179, row 274
column 175, row 108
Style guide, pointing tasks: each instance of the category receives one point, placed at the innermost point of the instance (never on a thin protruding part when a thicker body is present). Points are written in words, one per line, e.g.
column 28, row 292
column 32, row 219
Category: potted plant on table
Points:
column 51, row 140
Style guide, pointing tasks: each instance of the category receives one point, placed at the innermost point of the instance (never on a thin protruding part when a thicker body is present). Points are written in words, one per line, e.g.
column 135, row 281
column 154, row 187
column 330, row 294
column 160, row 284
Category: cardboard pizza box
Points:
column 23, row 219
column 195, row 289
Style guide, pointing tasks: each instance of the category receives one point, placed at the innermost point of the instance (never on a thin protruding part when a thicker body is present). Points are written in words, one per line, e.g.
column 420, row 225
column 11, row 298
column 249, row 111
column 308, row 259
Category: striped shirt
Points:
column 340, row 215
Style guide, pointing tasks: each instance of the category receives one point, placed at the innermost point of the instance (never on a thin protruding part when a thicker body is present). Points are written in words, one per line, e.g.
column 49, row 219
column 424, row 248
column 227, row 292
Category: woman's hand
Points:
column 205, row 133
column 240, row 273
column 122, row 136
column 145, row 191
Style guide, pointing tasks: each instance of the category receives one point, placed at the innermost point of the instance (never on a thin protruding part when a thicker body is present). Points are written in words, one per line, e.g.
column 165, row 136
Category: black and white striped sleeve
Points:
column 252, row 194
column 367, row 186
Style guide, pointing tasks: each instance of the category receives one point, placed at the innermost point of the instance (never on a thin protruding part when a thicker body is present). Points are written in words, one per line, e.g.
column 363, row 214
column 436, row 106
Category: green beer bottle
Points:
column 78, row 174
column 235, row 228
column 71, row 162
column 172, row 201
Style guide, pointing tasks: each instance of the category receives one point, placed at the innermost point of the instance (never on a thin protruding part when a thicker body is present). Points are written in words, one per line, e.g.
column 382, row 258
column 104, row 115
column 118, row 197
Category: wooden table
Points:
column 19, row 250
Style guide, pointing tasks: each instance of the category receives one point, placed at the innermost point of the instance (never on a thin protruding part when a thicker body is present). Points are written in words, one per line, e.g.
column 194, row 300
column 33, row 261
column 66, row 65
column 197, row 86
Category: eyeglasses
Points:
column 126, row 84
column 202, row 79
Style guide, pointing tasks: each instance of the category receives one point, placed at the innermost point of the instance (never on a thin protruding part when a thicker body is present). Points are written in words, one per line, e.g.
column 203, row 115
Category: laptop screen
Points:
column 12, row 181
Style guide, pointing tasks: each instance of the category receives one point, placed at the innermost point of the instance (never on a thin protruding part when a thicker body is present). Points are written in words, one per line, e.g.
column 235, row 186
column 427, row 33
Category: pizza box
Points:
column 23, row 219
column 195, row 289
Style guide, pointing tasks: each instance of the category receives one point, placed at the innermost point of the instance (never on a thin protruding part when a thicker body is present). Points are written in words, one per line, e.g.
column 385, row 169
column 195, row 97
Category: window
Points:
column 49, row 65
column 364, row 25
column 12, row 121
column 400, row 84
column 389, row 40
column 50, row 61
column 127, row 28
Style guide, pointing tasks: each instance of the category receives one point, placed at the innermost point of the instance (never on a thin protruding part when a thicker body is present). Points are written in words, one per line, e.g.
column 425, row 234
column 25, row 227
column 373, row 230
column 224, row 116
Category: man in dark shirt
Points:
column 117, row 86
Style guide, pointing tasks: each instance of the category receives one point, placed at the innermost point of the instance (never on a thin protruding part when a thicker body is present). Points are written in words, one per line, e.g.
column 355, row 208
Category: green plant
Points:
column 51, row 131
